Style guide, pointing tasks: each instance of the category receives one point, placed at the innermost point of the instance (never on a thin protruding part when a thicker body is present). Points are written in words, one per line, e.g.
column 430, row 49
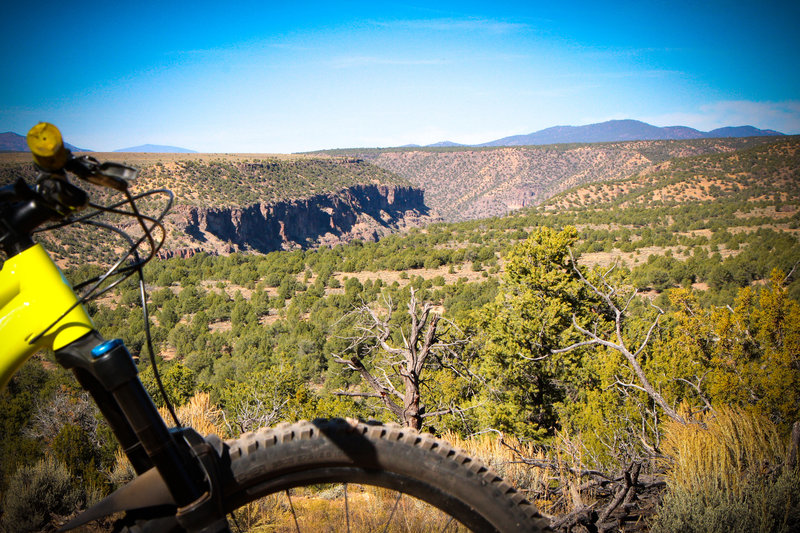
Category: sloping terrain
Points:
column 469, row 183
column 215, row 180
column 768, row 173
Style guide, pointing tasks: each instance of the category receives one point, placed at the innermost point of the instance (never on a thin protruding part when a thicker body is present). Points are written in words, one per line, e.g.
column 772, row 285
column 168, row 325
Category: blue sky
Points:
column 255, row 77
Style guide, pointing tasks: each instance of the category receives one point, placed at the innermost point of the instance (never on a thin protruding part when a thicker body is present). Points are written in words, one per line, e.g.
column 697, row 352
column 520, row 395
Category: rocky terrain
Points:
column 472, row 183
column 365, row 212
column 260, row 203
column 228, row 203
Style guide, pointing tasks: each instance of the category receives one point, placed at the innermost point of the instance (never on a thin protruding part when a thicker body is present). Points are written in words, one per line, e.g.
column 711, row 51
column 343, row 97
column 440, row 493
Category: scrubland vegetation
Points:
column 628, row 353
column 465, row 183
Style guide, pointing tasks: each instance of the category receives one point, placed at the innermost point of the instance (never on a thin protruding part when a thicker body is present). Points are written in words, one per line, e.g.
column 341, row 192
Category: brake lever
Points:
column 112, row 175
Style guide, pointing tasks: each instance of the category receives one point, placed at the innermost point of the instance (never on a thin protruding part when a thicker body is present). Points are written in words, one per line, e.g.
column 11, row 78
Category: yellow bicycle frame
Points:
column 33, row 294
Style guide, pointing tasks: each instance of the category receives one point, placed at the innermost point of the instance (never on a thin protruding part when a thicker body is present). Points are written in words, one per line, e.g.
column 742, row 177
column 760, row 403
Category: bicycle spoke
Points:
column 236, row 522
column 447, row 524
column 346, row 509
column 294, row 515
column 391, row 515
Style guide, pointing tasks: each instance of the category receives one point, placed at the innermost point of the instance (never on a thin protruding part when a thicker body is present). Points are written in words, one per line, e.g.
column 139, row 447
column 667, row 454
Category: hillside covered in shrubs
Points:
column 627, row 352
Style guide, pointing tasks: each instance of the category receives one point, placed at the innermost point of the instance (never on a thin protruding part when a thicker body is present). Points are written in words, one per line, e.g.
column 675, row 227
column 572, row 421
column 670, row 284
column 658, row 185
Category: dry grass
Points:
column 198, row 413
column 641, row 255
column 721, row 451
column 201, row 414
column 551, row 481
column 230, row 289
column 727, row 473
column 505, row 455
column 322, row 509
column 221, row 326
column 388, row 277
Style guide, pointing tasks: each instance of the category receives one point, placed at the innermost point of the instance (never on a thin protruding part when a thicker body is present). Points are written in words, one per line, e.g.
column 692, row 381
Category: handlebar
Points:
column 23, row 208
column 50, row 155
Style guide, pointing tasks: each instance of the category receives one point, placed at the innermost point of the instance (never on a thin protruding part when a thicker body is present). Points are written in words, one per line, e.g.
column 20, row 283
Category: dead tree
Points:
column 395, row 371
column 794, row 446
column 615, row 341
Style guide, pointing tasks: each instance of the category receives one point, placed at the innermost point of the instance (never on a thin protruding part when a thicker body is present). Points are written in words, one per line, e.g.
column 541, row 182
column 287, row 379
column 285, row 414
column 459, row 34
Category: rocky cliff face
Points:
column 360, row 212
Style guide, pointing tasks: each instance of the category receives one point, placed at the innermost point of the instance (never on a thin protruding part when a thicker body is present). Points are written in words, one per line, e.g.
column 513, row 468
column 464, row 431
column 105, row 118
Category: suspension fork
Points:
column 186, row 463
column 107, row 370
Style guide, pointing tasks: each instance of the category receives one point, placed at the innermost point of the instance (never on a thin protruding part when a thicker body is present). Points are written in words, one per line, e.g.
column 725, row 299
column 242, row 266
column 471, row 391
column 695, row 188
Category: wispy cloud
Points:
column 456, row 25
column 291, row 46
column 369, row 61
column 779, row 116
column 603, row 52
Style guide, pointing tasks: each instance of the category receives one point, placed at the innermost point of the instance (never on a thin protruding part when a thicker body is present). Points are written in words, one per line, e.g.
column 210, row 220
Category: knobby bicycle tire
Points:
column 307, row 453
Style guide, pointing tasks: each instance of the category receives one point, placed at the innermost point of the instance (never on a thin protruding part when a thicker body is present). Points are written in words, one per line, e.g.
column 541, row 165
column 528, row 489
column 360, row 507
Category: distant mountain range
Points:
column 14, row 142
column 157, row 149
column 610, row 131
column 616, row 130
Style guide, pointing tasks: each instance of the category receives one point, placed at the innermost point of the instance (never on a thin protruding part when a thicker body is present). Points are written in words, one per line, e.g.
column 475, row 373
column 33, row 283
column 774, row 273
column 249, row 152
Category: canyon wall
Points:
column 365, row 212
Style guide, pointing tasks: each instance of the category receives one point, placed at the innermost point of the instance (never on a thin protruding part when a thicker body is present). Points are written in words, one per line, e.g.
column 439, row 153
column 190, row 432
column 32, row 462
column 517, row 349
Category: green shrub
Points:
column 765, row 503
column 73, row 448
column 36, row 493
column 727, row 473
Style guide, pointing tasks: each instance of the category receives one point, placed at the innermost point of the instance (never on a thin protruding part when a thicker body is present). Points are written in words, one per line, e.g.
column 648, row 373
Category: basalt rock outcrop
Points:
column 365, row 212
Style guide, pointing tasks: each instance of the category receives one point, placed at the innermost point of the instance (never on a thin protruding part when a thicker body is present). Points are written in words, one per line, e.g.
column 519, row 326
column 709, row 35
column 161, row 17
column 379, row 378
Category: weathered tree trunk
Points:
column 412, row 415
column 794, row 446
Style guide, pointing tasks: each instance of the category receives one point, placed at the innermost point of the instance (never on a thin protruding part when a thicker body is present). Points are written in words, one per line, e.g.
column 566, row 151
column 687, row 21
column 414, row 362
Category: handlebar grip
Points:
column 47, row 147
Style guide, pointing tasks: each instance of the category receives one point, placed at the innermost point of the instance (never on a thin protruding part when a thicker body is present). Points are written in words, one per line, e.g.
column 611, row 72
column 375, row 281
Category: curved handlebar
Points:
column 50, row 155
column 24, row 208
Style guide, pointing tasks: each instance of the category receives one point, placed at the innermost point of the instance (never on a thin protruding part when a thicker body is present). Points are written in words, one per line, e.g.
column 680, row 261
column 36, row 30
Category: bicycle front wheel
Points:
column 408, row 463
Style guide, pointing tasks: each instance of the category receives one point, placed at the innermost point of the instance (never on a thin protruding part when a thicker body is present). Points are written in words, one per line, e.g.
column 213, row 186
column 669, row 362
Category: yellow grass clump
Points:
column 530, row 469
column 719, row 451
column 199, row 413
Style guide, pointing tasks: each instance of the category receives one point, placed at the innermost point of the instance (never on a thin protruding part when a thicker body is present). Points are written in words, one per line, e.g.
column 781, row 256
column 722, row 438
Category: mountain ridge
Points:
column 624, row 130
column 157, row 149
column 14, row 142
column 608, row 131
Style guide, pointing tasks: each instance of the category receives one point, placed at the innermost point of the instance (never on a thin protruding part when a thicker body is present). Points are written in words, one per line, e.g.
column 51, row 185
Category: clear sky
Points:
column 255, row 77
